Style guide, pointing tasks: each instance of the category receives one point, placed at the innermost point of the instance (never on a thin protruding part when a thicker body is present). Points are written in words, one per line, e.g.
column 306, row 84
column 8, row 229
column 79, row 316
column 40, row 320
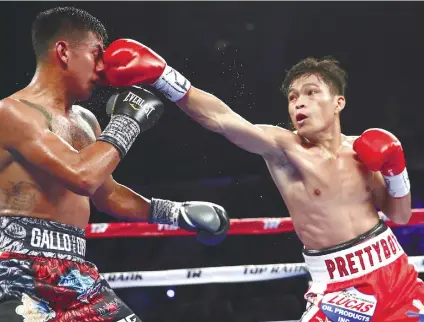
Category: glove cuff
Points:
column 164, row 212
column 172, row 84
column 121, row 132
column 398, row 186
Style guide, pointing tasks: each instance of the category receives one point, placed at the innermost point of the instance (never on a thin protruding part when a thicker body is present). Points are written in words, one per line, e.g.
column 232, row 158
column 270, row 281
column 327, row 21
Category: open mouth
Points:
column 300, row 118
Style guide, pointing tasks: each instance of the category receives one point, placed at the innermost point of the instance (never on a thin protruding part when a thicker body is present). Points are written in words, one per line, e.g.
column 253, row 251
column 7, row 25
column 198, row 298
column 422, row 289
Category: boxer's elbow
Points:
column 401, row 218
column 83, row 182
column 399, row 210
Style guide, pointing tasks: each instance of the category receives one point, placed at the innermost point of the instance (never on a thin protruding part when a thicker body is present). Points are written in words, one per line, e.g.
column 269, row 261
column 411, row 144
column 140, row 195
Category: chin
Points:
column 84, row 96
column 303, row 131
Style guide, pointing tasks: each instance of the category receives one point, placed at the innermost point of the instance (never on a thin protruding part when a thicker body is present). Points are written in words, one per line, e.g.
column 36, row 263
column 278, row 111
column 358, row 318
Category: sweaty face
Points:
column 312, row 106
column 84, row 65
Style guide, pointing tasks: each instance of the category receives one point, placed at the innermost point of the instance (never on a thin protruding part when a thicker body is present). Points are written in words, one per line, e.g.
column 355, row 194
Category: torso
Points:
column 26, row 191
column 330, row 198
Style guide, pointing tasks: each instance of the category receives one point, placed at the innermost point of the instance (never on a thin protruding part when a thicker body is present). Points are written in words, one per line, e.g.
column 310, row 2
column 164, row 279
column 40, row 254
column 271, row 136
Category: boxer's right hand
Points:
column 132, row 111
column 128, row 62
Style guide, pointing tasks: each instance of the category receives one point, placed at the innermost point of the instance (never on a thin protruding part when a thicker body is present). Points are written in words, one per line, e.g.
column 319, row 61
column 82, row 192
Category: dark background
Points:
column 239, row 51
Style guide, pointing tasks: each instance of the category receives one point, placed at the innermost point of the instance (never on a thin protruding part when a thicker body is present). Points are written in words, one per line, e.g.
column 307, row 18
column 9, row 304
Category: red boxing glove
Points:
column 379, row 150
column 128, row 62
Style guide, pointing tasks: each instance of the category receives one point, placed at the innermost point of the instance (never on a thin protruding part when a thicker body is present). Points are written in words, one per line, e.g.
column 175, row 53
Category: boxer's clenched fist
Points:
column 381, row 151
column 128, row 62
column 210, row 221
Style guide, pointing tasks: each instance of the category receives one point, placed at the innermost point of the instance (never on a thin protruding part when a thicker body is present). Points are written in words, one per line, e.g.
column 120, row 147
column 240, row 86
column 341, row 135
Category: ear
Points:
column 340, row 103
column 62, row 51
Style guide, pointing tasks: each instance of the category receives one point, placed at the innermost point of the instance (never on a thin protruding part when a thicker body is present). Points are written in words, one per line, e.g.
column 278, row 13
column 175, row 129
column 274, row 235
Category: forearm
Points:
column 125, row 204
column 216, row 116
column 398, row 210
column 204, row 108
column 95, row 164
column 82, row 172
column 209, row 220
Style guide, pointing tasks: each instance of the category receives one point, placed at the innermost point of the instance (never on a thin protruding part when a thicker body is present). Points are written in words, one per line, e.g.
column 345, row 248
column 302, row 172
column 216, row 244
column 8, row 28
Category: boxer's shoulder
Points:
column 348, row 140
column 14, row 110
column 9, row 104
column 87, row 116
column 19, row 123
column 83, row 112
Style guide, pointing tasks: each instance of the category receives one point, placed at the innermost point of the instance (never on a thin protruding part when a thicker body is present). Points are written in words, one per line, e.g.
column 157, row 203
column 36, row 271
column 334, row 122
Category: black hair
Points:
column 63, row 22
column 327, row 68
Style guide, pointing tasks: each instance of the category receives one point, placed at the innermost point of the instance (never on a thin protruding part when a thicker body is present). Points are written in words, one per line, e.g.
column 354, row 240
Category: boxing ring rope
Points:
column 223, row 274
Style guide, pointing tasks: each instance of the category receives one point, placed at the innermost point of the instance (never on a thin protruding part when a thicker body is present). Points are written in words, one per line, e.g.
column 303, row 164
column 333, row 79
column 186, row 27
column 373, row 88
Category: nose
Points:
column 300, row 102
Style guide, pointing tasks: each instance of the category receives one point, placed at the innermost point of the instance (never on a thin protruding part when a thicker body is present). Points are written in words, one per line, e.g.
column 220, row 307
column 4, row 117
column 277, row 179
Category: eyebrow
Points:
column 99, row 47
column 304, row 85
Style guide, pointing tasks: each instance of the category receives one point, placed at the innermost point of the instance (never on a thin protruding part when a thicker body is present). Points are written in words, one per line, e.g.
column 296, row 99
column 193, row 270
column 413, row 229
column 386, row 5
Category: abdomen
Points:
column 26, row 191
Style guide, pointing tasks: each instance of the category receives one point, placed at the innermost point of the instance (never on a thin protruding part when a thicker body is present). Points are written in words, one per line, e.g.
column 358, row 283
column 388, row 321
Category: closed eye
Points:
column 98, row 53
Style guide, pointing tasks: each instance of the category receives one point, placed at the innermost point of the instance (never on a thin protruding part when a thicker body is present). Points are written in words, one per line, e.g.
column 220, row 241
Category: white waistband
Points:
column 355, row 261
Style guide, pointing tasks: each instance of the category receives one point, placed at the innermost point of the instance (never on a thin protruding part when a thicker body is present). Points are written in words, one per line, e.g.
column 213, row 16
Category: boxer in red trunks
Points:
column 54, row 158
column 331, row 183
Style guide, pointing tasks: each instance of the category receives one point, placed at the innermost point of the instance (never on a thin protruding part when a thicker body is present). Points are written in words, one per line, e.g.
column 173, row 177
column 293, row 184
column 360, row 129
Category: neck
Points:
column 44, row 89
column 330, row 139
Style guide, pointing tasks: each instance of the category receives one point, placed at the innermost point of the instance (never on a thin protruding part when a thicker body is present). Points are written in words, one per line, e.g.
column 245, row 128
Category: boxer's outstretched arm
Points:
column 129, row 62
column 215, row 115
column 210, row 221
column 80, row 171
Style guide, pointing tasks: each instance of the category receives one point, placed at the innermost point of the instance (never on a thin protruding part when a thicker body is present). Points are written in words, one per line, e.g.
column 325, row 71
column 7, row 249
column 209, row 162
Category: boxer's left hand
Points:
column 379, row 150
column 210, row 221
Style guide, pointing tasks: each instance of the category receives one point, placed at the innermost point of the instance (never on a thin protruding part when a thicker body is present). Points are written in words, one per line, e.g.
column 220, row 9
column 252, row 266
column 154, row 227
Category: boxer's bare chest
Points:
column 25, row 189
column 314, row 177
column 72, row 127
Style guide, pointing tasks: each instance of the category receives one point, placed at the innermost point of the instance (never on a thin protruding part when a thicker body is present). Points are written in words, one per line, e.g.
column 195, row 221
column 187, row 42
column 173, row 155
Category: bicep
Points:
column 216, row 116
column 259, row 139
